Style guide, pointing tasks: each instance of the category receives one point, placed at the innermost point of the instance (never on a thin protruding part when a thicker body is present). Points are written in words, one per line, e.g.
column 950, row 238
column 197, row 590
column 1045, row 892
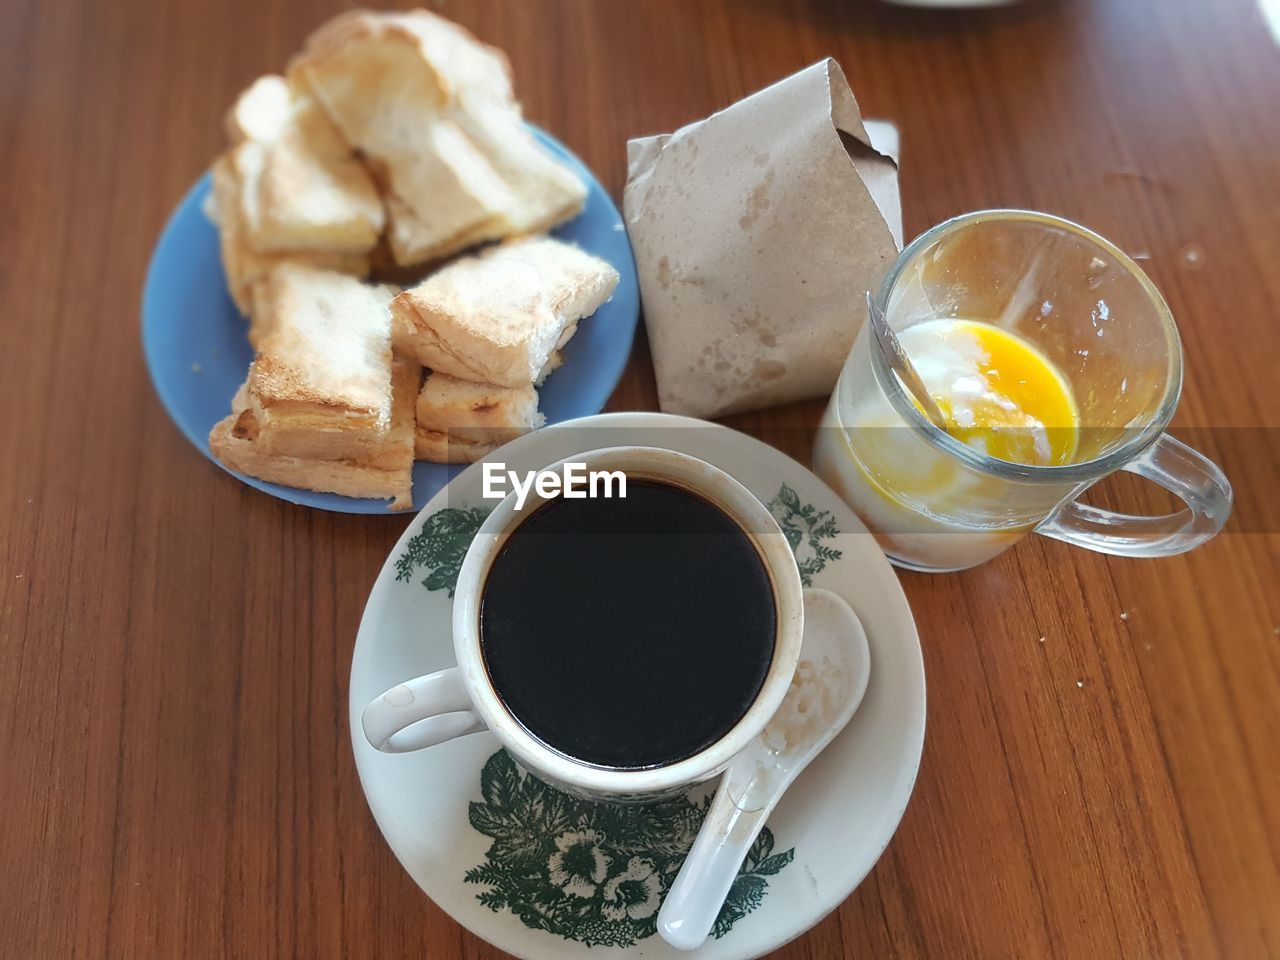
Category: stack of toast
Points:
column 433, row 113
column 490, row 328
column 394, row 141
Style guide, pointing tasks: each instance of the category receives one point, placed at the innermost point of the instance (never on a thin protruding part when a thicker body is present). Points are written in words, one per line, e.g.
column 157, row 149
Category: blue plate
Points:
column 198, row 352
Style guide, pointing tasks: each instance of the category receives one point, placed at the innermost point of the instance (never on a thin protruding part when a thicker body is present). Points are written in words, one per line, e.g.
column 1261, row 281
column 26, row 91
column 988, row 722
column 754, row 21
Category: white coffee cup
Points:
column 460, row 700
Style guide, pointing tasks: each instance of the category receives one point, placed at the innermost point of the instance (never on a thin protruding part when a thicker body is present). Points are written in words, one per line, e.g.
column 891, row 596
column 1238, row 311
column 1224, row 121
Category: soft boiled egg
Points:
column 999, row 393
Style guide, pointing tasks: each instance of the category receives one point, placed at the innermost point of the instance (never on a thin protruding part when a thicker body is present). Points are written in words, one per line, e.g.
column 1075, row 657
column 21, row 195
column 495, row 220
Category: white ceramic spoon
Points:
column 830, row 680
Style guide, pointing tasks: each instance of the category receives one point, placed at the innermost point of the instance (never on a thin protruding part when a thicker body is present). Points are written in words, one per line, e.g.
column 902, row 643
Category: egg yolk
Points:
column 999, row 394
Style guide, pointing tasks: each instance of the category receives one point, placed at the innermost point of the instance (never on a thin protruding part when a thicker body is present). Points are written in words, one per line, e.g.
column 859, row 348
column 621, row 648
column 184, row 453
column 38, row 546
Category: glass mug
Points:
column 937, row 504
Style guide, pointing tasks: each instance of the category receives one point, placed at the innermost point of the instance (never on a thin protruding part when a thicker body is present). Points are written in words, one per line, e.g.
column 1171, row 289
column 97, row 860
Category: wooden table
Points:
column 177, row 779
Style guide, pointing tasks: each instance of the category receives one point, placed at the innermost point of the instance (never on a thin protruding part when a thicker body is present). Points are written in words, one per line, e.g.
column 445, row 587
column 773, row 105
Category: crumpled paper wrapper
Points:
column 757, row 232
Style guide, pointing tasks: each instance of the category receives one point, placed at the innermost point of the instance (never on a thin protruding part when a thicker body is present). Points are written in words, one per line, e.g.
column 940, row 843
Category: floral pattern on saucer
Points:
column 846, row 807
column 595, row 872
column 805, row 527
column 585, row 871
column 440, row 547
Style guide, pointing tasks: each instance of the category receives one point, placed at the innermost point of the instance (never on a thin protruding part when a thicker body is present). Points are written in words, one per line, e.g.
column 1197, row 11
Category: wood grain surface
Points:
column 177, row 779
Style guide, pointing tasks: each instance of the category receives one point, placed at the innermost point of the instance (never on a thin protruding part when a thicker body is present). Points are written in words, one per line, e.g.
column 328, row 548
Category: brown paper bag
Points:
column 757, row 232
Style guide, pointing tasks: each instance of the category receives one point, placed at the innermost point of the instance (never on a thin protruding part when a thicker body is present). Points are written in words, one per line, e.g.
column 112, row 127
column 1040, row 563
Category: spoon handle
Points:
column 903, row 368
column 737, row 814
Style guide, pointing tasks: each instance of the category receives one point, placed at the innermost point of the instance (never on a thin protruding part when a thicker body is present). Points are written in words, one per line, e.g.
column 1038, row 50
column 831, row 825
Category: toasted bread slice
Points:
column 301, row 187
column 244, row 266
column 236, row 442
column 439, row 447
column 372, row 76
column 469, row 414
column 290, row 189
column 260, row 112
column 464, row 170
column 480, row 98
column 445, row 196
column 320, row 387
column 500, row 316
column 416, row 62
column 544, row 192
column 306, row 201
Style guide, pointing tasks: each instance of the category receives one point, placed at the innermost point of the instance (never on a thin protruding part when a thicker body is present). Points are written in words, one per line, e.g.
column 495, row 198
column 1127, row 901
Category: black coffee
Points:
column 629, row 632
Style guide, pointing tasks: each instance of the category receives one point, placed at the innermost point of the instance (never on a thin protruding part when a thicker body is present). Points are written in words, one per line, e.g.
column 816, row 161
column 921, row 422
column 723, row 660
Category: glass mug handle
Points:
column 1184, row 472
column 420, row 713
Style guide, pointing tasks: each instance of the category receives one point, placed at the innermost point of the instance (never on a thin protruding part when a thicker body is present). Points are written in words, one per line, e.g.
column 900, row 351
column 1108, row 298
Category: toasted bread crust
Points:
column 350, row 478
column 244, row 266
column 477, row 412
column 321, row 384
column 260, row 111
column 466, row 170
column 439, row 447
column 289, row 189
column 300, row 185
column 236, row 441
column 325, row 341
column 498, row 317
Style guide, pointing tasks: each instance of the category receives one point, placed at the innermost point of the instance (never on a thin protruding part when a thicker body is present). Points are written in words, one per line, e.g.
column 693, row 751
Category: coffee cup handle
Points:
column 421, row 713
column 1186, row 473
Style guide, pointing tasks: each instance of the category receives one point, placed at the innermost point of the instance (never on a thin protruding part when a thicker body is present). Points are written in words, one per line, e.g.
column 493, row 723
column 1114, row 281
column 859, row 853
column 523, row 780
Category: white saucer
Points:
column 556, row 878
